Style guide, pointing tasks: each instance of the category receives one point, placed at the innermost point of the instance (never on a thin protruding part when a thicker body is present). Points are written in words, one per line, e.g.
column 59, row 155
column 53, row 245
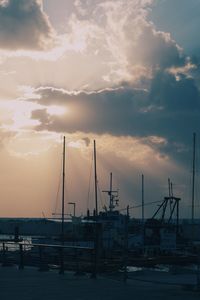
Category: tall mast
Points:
column 95, row 179
column 170, row 194
column 111, row 196
column 169, row 187
column 96, row 236
column 63, row 191
column 142, row 199
column 193, row 174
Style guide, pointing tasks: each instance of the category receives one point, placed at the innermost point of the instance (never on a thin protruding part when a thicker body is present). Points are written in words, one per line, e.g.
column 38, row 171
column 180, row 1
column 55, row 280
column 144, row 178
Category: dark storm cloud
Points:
column 173, row 93
column 179, row 101
column 168, row 107
column 108, row 111
column 171, row 110
column 23, row 25
column 41, row 115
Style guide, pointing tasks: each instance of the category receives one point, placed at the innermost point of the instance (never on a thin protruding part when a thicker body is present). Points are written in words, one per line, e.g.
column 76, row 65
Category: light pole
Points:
column 74, row 205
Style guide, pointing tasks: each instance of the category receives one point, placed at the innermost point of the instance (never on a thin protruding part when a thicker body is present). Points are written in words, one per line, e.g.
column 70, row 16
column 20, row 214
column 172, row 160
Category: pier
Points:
column 31, row 284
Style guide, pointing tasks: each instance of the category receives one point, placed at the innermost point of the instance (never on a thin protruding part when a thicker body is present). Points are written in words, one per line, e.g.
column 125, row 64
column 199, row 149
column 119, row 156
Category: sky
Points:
column 123, row 72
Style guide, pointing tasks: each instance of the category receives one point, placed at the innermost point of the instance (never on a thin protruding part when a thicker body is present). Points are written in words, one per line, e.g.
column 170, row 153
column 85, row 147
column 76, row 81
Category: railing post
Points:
column 21, row 253
column 77, row 257
column 61, row 256
column 40, row 258
column 4, row 255
column 125, row 275
column 198, row 273
column 43, row 266
column 76, row 262
column 96, row 251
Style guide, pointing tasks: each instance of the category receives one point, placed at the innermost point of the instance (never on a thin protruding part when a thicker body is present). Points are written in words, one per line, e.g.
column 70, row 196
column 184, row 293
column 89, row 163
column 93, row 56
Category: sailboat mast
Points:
column 111, row 197
column 193, row 174
column 63, row 191
column 142, row 199
column 95, row 179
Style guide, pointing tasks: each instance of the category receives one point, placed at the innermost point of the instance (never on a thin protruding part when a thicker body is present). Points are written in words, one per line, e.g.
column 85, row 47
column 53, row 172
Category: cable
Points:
column 137, row 206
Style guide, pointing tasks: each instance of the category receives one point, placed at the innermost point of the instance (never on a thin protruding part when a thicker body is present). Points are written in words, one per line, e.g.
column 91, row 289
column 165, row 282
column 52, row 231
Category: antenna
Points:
column 113, row 196
column 63, row 193
column 169, row 190
column 95, row 178
column 63, row 211
column 142, row 199
column 193, row 174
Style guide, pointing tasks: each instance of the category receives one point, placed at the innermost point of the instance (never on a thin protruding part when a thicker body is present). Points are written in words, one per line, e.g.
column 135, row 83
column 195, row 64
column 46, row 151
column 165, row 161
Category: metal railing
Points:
column 45, row 256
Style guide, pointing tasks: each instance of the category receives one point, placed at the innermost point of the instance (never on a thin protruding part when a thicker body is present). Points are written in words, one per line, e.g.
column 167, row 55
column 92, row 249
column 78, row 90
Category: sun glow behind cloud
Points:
column 18, row 114
column 55, row 110
column 15, row 115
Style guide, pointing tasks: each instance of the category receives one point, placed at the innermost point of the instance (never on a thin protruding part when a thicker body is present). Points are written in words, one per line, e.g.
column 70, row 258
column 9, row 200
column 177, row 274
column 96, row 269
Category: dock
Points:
column 31, row 284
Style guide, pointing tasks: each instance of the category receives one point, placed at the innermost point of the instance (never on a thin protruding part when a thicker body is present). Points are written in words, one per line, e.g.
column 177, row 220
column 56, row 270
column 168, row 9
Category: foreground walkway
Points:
column 29, row 284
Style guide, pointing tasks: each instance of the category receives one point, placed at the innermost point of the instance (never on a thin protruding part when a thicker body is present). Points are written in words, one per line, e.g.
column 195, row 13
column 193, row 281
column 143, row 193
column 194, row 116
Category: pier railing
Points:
column 46, row 256
column 78, row 259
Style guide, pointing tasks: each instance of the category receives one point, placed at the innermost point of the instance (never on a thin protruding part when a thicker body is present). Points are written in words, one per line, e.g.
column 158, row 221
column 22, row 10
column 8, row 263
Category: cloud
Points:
column 87, row 141
column 170, row 111
column 109, row 110
column 157, row 49
column 119, row 35
column 122, row 31
column 23, row 25
column 111, row 43
column 174, row 93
